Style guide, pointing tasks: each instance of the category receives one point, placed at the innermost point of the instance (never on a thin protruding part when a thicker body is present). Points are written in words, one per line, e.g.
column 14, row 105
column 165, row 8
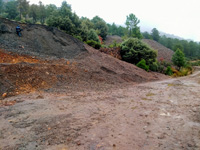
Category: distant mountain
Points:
column 148, row 29
column 171, row 36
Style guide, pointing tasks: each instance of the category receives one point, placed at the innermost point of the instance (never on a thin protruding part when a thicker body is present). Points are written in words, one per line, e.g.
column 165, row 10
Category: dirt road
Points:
column 152, row 116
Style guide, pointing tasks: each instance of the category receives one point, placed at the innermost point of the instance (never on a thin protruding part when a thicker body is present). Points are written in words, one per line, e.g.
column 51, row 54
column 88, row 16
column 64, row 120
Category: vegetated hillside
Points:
column 110, row 39
column 163, row 52
column 57, row 61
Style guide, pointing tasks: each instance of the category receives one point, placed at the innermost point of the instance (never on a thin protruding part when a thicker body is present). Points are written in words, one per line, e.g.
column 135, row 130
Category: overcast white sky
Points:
column 178, row 17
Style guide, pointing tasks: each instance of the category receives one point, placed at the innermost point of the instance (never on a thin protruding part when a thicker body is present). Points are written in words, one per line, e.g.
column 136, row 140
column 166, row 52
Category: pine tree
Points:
column 179, row 59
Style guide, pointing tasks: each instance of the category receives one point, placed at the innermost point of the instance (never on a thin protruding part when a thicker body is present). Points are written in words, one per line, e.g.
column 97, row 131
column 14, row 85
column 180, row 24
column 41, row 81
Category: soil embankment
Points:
column 81, row 99
column 45, row 58
column 164, row 53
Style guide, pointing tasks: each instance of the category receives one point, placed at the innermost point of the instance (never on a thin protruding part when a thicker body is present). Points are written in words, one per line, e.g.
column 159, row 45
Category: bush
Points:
column 94, row 44
column 184, row 71
column 142, row 64
column 153, row 66
column 114, row 44
column 78, row 37
column 92, row 36
column 195, row 63
column 161, row 67
column 134, row 50
column 169, row 71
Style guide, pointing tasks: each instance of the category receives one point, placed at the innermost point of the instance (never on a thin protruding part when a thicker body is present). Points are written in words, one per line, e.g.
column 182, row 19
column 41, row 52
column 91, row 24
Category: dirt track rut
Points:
column 152, row 116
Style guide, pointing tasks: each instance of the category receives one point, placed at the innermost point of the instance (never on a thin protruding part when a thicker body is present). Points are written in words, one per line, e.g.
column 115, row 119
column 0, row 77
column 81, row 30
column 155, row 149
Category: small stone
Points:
column 4, row 95
column 78, row 143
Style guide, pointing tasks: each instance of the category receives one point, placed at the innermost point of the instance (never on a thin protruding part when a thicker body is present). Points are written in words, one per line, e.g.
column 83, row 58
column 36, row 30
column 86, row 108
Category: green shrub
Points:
column 134, row 50
column 195, row 63
column 104, row 46
column 78, row 37
column 92, row 36
column 94, row 44
column 169, row 71
column 161, row 67
column 142, row 64
column 153, row 66
column 114, row 44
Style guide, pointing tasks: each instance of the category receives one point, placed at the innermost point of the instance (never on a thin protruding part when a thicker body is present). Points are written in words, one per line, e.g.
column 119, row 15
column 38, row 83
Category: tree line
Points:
column 191, row 49
column 89, row 31
column 60, row 17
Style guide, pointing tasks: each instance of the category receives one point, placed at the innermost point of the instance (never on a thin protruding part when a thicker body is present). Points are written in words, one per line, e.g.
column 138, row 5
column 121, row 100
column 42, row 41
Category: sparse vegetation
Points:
column 169, row 71
column 94, row 44
column 195, row 63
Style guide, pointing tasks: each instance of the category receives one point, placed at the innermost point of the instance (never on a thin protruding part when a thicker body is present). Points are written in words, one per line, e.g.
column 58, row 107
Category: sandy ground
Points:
column 150, row 116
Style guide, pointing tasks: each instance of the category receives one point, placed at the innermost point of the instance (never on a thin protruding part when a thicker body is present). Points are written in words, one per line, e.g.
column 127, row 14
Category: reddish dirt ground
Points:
column 22, row 73
column 150, row 116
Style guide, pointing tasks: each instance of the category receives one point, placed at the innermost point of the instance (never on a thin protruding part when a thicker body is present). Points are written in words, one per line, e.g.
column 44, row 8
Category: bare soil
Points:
column 164, row 53
column 91, row 70
column 155, row 115
column 59, row 94
column 38, row 40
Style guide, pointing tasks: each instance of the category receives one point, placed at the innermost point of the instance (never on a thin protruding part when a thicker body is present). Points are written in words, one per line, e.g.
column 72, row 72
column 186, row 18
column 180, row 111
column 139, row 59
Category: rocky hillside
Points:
column 164, row 53
column 38, row 40
column 112, row 38
column 45, row 58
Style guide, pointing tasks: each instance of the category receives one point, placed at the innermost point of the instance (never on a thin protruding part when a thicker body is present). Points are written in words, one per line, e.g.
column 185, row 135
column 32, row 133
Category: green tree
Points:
column 11, row 9
column 179, row 59
column 116, row 30
column 42, row 12
column 1, row 6
column 65, row 10
column 136, row 33
column 155, row 34
column 77, row 23
column 146, row 35
column 92, row 35
column 132, row 25
column 133, row 50
column 86, row 24
column 101, row 26
column 51, row 9
column 178, row 46
column 23, row 6
column 34, row 12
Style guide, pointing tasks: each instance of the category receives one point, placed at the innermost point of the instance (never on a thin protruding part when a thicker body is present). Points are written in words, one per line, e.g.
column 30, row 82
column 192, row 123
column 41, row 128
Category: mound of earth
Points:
column 110, row 39
column 38, row 40
column 73, row 66
column 164, row 53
